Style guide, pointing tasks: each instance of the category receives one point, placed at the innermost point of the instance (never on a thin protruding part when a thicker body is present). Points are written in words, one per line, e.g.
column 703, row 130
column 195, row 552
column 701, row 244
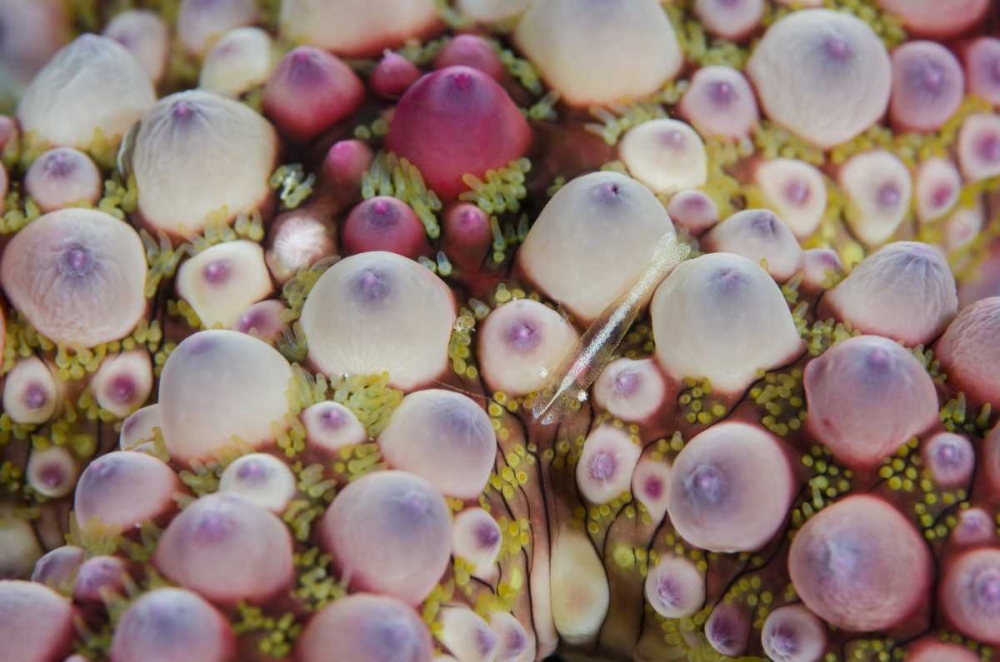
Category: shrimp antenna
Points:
column 585, row 362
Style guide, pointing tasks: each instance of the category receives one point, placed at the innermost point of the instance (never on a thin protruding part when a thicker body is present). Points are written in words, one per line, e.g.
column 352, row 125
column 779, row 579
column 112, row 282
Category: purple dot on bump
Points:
column 121, row 389
column 332, row 418
column 390, row 636
column 653, row 487
column 729, row 280
column 76, row 261
column 941, row 195
column 797, row 192
column 485, row 640
column 948, row 454
column 35, row 396
column 371, row 286
column 888, row 195
column 462, row 81
column 986, row 587
column 608, row 193
column 523, row 335
column 706, row 484
column 58, row 164
column 252, row 471
column 603, row 465
column 929, row 76
column 721, row 92
column 694, row 204
column 383, row 215
column 837, row 49
column 199, row 344
column 487, row 535
column 211, row 527
column 252, row 320
column 413, row 506
column 668, row 591
column 106, row 469
column 124, row 38
column 515, row 642
column 988, row 148
column 52, row 476
column 305, row 69
column 216, row 273
column 764, row 223
column 627, row 382
column 878, row 359
column 673, row 139
column 783, row 641
column 720, row 629
column 994, row 70
column 182, row 111
column 167, row 620
column 471, row 219
column 975, row 521
column 828, row 260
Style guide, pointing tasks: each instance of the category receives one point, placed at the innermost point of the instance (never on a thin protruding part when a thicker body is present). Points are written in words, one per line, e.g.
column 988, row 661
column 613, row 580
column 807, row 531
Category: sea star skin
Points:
column 488, row 331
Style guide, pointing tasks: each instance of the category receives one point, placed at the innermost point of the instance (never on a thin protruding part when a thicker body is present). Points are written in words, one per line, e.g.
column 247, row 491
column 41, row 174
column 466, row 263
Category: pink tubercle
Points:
column 384, row 224
column 467, row 235
column 309, row 91
column 393, row 75
column 471, row 50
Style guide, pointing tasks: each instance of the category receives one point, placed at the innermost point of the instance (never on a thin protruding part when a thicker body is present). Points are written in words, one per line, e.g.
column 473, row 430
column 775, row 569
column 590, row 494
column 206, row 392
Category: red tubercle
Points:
column 346, row 163
column 467, row 236
column 309, row 91
column 384, row 224
column 457, row 121
column 393, row 75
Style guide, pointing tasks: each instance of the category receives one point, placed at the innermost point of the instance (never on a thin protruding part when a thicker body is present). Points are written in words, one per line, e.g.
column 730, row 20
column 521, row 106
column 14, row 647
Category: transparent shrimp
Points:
column 594, row 350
